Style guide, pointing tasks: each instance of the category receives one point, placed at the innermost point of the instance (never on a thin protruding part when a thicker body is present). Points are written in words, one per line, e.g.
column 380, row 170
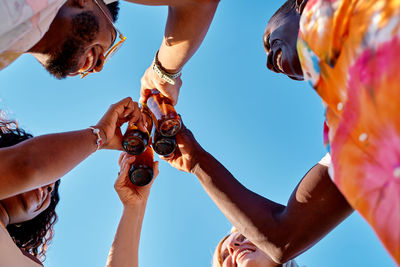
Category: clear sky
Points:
column 265, row 128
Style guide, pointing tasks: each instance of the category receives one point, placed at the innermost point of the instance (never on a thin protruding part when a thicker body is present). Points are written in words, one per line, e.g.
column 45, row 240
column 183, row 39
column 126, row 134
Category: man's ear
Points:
column 300, row 5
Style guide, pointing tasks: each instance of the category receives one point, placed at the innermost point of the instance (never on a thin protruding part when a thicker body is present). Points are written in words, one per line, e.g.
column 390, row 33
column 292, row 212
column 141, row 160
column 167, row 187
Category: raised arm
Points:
column 42, row 160
column 124, row 251
column 187, row 24
column 283, row 232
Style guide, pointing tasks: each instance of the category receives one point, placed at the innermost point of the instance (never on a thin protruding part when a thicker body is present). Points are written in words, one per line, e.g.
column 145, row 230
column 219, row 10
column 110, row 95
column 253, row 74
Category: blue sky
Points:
column 265, row 128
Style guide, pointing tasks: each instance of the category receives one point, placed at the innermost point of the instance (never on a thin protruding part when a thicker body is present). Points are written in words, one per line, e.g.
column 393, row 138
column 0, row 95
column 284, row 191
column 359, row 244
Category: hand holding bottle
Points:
column 187, row 152
column 151, row 80
column 130, row 194
column 118, row 114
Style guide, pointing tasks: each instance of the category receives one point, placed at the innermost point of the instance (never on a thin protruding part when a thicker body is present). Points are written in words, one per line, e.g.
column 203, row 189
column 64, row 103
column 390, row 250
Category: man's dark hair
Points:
column 287, row 7
column 114, row 10
column 32, row 236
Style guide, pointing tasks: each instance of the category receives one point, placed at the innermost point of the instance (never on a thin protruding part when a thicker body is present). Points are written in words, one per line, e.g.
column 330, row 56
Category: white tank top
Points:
column 10, row 254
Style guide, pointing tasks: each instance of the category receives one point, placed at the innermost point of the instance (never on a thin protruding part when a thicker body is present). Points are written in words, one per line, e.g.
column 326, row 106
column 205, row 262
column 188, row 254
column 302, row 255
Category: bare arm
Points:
column 187, row 25
column 42, row 160
column 283, row 232
column 124, row 251
column 125, row 248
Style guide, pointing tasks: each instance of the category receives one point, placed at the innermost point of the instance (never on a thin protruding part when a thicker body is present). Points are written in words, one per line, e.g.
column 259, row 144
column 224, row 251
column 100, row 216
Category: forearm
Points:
column 253, row 215
column 283, row 232
column 125, row 248
column 187, row 24
column 42, row 160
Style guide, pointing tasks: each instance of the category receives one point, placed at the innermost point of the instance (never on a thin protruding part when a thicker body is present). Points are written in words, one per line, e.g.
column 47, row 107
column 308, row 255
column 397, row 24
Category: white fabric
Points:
column 326, row 161
column 10, row 254
column 291, row 263
column 23, row 24
column 109, row 1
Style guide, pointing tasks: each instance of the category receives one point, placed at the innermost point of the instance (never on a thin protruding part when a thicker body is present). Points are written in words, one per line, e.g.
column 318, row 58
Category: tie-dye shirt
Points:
column 350, row 52
column 23, row 24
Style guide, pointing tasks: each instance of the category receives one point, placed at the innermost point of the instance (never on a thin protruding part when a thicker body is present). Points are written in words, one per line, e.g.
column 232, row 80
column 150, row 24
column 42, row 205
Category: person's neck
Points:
column 4, row 219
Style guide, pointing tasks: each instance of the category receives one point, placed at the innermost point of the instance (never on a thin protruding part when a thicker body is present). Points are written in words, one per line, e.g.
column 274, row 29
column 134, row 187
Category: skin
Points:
column 283, row 232
column 124, row 251
column 187, row 24
column 34, row 163
column 25, row 206
column 238, row 251
column 280, row 42
column 61, row 29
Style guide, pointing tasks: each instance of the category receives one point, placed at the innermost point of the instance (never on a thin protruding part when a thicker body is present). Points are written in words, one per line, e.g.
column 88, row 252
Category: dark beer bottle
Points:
column 163, row 145
column 167, row 121
column 135, row 141
column 141, row 171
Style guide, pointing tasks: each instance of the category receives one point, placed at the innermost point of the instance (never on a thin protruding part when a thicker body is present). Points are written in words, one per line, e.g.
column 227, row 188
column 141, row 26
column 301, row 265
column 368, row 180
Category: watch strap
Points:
column 162, row 73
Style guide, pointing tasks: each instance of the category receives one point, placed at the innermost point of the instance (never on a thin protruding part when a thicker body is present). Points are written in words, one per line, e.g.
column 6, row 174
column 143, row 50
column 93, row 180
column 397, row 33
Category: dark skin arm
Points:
column 315, row 207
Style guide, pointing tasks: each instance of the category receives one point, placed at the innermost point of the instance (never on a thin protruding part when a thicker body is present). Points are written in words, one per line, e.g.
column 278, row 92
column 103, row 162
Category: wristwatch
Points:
column 162, row 73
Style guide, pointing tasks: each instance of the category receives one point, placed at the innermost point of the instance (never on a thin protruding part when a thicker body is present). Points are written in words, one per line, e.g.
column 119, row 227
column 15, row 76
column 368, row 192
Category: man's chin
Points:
column 58, row 73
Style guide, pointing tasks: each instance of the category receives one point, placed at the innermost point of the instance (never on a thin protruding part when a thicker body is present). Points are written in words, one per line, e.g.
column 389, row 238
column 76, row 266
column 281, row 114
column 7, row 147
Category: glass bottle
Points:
column 167, row 121
column 141, row 171
column 134, row 140
column 163, row 145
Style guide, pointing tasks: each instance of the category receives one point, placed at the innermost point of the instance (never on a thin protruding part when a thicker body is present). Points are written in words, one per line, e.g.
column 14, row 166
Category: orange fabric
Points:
column 349, row 51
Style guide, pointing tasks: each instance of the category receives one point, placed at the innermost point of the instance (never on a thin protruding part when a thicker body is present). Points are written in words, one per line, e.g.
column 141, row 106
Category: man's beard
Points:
column 65, row 60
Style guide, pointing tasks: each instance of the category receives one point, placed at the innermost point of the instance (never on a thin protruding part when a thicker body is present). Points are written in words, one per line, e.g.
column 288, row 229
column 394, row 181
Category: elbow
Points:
column 278, row 252
column 281, row 256
column 281, row 247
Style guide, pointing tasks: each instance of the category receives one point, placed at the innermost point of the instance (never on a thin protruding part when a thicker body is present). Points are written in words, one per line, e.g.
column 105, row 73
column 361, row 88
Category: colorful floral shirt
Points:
column 350, row 54
column 23, row 24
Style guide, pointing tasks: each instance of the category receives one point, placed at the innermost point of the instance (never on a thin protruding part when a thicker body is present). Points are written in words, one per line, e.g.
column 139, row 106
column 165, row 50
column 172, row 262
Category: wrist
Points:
column 99, row 140
column 103, row 136
column 168, row 75
column 167, row 63
column 99, row 132
column 200, row 155
column 135, row 206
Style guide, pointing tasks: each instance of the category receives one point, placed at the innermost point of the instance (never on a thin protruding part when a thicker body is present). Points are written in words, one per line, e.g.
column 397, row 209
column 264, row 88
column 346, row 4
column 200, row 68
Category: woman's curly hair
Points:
column 32, row 236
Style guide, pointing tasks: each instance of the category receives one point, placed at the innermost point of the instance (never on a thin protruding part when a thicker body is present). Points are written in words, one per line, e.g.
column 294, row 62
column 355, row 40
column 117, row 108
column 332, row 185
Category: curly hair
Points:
column 32, row 236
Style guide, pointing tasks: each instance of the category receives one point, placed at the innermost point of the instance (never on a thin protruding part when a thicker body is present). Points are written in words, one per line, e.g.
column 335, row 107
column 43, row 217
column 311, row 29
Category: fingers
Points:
column 124, row 107
column 155, row 169
column 146, row 85
column 121, row 156
column 151, row 80
column 125, row 163
column 129, row 110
